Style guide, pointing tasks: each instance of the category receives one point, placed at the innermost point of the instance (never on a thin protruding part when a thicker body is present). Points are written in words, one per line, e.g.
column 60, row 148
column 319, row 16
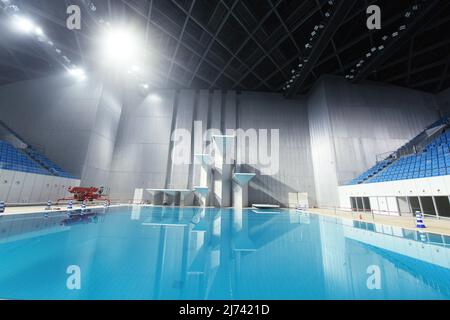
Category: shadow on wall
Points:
column 268, row 190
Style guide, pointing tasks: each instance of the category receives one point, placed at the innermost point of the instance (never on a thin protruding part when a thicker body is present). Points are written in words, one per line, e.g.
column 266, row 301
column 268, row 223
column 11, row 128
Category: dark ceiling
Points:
column 247, row 44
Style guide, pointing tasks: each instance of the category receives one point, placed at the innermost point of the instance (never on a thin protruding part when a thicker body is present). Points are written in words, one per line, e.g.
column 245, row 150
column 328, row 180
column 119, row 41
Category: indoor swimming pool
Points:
column 136, row 252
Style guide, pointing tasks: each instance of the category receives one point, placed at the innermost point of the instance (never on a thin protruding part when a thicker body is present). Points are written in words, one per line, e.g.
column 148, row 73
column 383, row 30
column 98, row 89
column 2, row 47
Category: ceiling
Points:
column 245, row 44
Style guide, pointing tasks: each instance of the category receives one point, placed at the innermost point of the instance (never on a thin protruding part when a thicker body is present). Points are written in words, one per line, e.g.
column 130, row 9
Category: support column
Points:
column 240, row 189
column 223, row 167
column 203, row 188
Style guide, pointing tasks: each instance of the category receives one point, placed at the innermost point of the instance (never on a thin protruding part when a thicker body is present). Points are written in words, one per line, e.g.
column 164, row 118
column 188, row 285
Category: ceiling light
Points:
column 23, row 24
column 77, row 73
column 155, row 98
column 38, row 31
column 120, row 46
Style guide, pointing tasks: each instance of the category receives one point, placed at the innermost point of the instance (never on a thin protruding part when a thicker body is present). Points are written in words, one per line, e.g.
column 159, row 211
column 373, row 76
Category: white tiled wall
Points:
column 21, row 187
column 385, row 193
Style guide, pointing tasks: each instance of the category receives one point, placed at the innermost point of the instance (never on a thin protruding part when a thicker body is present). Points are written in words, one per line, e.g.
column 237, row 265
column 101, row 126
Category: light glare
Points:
column 23, row 24
column 78, row 73
column 120, row 46
column 155, row 98
column 38, row 31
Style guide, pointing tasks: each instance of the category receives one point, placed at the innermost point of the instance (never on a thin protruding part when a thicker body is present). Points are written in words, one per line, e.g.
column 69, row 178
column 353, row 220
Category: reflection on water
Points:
column 192, row 253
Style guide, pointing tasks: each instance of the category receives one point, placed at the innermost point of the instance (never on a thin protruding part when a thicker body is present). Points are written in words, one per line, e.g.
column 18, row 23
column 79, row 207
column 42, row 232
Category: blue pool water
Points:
column 173, row 253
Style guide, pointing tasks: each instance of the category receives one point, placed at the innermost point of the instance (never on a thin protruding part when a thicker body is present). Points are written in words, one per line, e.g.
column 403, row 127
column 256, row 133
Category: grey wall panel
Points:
column 230, row 110
column 98, row 161
column 254, row 110
column 141, row 150
column 201, row 117
column 100, row 151
column 185, row 114
column 352, row 124
column 322, row 148
column 290, row 117
column 369, row 120
column 216, row 110
column 53, row 113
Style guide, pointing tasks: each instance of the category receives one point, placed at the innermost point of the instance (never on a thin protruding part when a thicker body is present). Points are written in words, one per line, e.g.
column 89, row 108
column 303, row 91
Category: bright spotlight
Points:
column 23, row 24
column 38, row 31
column 120, row 46
column 78, row 73
column 155, row 98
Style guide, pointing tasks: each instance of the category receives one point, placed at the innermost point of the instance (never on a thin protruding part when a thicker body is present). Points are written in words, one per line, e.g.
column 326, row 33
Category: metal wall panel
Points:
column 141, row 150
column 352, row 124
column 184, row 121
column 322, row 148
column 290, row 117
column 54, row 113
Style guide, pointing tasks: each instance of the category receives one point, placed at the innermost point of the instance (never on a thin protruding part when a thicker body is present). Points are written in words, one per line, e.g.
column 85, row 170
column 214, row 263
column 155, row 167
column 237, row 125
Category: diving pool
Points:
column 136, row 252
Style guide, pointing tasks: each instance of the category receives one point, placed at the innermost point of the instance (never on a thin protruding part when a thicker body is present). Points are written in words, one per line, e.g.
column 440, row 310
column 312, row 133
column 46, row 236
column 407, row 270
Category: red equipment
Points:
column 83, row 194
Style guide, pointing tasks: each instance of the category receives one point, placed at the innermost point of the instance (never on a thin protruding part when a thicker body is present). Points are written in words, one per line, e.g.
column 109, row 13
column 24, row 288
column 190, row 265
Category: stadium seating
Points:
column 371, row 172
column 433, row 160
column 28, row 160
column 13, row 159
column 52, row 167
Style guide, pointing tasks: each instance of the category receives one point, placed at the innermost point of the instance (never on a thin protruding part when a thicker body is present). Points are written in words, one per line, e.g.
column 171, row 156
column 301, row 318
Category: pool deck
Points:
column 441, row 226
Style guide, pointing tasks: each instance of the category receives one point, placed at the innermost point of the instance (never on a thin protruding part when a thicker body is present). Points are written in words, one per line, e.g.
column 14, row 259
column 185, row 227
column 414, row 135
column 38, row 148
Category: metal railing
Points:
column 373, row 214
